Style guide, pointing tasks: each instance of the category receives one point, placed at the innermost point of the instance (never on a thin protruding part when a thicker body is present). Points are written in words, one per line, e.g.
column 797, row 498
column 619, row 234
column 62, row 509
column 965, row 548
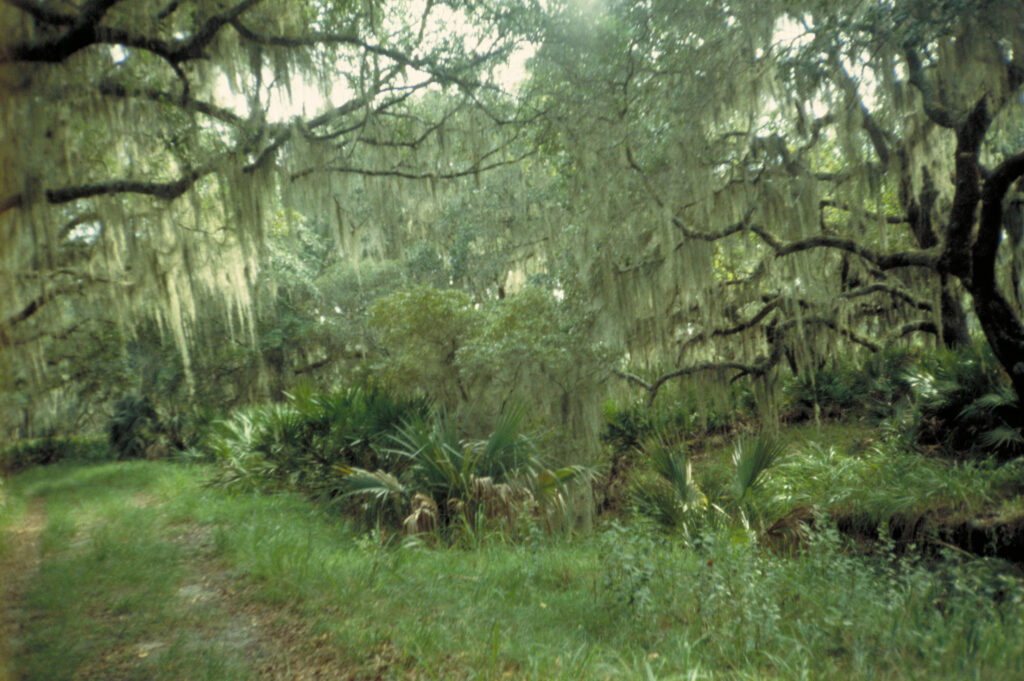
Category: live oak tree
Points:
column 144, row 144
column 773, row 182
column 725, row 187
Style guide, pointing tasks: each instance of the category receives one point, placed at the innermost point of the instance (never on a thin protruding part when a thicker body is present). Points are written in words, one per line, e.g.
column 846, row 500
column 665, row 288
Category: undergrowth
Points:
column 623, row 602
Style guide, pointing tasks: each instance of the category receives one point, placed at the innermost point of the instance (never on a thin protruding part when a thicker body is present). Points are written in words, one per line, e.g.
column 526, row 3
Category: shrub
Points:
column 134, row 428
column 25, row 454
column 668, row 493
column 967, row 404
column 439, row 478
column 301, row 444
column 862, row 386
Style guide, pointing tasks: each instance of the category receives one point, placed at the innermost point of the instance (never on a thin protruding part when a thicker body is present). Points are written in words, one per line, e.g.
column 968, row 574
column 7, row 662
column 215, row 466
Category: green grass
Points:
column 621, row 603
column 104, row 602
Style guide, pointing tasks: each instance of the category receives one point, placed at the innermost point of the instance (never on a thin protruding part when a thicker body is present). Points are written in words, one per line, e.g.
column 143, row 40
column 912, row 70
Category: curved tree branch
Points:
column 86, row 31
column 891, row 290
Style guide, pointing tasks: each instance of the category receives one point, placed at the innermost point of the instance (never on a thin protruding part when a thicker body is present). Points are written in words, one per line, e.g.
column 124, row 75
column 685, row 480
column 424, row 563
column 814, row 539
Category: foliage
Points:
column 151, row 193
column 440, row 479
column 676, row 501
column 477, row 359
column 299, row 444
column 25, row 454
column 752, row 460
column 134, row 431
column 629, row 567
column 682, row 412
column 673, row 499
column 423, row 329
column 798, row 233
column 886, row 484
column 966, row 403
column 863, row 384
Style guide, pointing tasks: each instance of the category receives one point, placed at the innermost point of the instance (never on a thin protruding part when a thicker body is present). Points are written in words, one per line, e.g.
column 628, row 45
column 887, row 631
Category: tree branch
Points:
column 956, row 256
column 43, row 15
column 653, row 388
column 991, row 221
column 86, row 31
column 441, row 75
column 929, row 100
column 188, row 104
column 891, row 290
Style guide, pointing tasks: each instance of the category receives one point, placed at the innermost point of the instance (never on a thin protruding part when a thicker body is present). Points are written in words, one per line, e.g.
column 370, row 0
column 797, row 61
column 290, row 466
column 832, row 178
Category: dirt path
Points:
column 18, row 564
column 278, row 642
column 226, row 617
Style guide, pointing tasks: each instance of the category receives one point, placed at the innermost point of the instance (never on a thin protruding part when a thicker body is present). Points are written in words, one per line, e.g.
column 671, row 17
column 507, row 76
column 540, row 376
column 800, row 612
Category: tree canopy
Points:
column 716, row 189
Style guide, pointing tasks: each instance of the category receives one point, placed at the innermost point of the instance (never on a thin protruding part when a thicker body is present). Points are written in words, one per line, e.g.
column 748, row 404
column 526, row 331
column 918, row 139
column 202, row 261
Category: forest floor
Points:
column 140, row 570
column 18, row 564
column 206, row 625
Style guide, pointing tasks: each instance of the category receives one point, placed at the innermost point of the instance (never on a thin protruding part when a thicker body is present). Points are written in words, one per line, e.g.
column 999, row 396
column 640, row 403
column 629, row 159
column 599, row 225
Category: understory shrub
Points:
column 966, row 404
column 134, row 431
column 301, row 444
column 25, row 454
column 680, row 411
column 861, row 386
column 668, row 493
column 437, row 478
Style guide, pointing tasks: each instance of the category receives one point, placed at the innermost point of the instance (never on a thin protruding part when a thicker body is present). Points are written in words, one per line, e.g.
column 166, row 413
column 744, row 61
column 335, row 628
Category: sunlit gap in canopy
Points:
column 792, row 34
column 305, row 98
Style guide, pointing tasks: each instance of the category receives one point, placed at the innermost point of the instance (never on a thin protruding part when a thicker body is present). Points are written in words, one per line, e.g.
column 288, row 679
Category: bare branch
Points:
column 738, row 328
column 441, row 75
column 891, row 290
column 914, row 327
column 653, row 388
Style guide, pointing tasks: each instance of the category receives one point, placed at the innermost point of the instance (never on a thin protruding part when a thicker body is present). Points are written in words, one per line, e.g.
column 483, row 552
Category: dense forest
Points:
column 595, row 294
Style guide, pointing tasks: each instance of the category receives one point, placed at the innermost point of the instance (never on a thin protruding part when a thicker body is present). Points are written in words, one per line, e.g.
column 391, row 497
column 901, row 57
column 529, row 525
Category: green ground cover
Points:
column 625, row 601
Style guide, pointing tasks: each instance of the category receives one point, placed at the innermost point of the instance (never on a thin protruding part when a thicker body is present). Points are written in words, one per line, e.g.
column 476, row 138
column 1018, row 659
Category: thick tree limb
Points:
column 86, row 31
column 161, row 190
column 929, row 99
column 653, row 388
column 883, row 261
column 43, row 15
column 891, row 290
column 879, row 139
column 955, row 257
column 991, row 221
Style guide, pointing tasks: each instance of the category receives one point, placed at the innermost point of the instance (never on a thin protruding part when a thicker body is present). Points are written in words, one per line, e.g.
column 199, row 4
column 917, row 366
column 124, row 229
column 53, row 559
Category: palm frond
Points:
column 752, row 460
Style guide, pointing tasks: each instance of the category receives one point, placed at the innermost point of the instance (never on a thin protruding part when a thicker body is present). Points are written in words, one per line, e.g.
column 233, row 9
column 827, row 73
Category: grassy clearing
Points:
column 106, row 601
column 623, row 602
